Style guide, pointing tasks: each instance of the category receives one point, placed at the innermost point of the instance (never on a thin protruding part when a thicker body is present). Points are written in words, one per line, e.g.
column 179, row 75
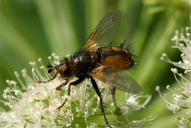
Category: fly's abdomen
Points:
column 115, row 58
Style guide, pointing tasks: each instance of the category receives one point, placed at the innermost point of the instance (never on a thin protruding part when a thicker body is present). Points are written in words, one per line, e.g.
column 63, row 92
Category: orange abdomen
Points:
column 115, row 58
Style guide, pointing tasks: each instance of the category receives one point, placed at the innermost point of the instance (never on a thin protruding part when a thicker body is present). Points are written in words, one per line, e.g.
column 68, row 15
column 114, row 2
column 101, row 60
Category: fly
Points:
column 98, row 59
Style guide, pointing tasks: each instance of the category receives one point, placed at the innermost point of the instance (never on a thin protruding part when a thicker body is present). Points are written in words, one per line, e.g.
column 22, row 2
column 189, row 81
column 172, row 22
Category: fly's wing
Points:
column 119, row 79
column 104, row 31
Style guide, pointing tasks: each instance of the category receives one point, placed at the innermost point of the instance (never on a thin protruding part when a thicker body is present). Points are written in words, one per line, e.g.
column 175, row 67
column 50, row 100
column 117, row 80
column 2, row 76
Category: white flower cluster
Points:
column 181, row 95
column 34, row 104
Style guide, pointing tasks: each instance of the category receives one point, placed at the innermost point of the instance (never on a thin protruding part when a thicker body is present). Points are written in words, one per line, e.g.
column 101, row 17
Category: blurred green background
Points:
column 32, row 29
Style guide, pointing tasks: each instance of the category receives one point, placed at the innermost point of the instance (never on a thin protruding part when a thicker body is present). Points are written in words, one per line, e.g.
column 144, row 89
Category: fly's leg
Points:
column 113, row 89
column 58, row 88
column 69, row 90
column 100, row 98
column 49, row 79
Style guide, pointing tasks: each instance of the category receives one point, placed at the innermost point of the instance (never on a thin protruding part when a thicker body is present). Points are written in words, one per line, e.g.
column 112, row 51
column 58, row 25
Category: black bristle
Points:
column 122, row 44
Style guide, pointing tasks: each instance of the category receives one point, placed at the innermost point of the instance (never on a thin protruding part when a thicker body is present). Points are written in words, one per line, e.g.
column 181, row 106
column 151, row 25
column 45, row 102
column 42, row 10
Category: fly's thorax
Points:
column 83, row 62
column 94, row 57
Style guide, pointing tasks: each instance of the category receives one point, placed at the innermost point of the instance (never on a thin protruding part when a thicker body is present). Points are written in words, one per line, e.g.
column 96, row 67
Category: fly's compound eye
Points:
column 62, row 68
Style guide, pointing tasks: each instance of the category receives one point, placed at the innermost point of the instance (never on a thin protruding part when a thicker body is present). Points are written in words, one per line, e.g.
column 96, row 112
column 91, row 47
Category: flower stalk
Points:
column 180, row 102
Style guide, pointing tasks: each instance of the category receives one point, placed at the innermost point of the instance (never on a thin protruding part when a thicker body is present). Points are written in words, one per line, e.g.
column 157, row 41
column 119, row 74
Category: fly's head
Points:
column 63, row 68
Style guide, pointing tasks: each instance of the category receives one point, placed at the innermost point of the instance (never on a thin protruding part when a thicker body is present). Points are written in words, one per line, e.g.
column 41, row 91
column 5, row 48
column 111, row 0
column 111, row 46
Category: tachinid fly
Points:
column 99, row 60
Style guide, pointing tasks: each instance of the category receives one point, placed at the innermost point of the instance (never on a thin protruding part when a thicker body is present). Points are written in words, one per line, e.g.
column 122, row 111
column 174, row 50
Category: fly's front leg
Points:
column 69, row 90
column 49, row 79
column 58, row 88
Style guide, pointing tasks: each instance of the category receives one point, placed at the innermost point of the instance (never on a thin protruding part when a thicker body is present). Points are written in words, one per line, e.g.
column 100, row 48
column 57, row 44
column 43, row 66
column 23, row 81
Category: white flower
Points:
column 34, row 104
column 133, row 103
column 181, row 96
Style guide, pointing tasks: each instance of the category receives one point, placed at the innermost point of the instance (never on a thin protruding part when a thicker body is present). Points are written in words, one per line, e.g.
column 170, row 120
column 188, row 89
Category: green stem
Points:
column 150, row 65
column 57, row 25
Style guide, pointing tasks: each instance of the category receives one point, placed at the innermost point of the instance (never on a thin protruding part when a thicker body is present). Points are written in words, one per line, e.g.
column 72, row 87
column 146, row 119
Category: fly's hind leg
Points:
column 69, row 90
column 100, row 98
column 113, row 89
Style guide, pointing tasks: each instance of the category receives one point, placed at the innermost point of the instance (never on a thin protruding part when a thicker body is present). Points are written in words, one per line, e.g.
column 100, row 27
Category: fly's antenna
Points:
column 50, row 69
